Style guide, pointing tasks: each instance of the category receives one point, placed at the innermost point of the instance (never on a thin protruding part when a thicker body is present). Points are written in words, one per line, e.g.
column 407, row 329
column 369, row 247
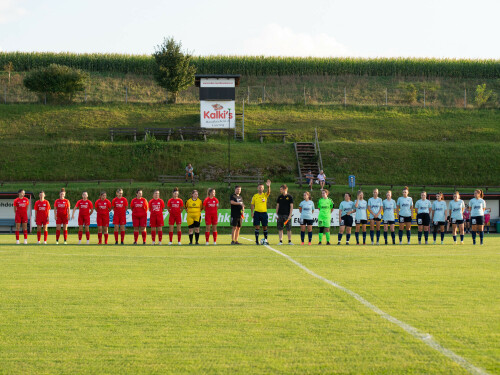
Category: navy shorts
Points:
column 423, row 219
column 346, row 220
column 260, row 218
column 477, row 220
column 405, row 219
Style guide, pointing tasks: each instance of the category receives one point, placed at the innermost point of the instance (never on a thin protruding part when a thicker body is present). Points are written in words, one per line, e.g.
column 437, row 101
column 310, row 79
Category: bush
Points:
column 484, row 97
column 410, row 94
column 56, row 82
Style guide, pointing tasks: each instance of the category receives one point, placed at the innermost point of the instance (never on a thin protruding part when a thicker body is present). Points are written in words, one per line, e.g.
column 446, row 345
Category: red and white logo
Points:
column 217, row 107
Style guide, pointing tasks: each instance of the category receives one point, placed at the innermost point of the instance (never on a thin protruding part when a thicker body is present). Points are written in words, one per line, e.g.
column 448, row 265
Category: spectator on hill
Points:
column 189, row 172
column 321, row 179
column 309, row 179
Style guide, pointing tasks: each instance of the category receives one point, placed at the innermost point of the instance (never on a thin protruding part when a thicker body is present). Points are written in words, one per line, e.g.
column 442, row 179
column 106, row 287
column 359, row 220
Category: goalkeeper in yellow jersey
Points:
column 194, row 205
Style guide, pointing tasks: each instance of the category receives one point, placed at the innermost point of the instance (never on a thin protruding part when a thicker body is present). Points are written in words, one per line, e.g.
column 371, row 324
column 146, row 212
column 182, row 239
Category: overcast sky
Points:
column 364, row 28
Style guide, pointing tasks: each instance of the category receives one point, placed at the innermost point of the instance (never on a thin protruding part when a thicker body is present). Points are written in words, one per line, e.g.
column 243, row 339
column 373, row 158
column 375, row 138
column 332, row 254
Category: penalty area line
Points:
column 422, row 336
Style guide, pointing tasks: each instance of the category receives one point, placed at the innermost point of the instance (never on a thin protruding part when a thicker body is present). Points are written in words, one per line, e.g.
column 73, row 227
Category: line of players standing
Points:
column 379, row 211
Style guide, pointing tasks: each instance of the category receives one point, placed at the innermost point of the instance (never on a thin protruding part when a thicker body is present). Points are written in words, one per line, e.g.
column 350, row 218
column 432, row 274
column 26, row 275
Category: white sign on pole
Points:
column 216, row 115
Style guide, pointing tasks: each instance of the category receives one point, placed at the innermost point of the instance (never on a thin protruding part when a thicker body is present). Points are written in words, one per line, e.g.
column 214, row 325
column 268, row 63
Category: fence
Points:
column 111, row 91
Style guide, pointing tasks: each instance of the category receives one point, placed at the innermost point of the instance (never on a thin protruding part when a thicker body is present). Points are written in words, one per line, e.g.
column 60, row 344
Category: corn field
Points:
column 263, row 66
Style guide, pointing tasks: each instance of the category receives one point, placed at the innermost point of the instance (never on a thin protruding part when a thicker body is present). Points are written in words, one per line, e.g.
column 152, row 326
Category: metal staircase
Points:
column 308, row 157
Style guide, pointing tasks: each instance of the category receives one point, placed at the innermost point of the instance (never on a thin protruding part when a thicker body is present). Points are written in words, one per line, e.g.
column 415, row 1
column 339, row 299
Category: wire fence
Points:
column 149, row 92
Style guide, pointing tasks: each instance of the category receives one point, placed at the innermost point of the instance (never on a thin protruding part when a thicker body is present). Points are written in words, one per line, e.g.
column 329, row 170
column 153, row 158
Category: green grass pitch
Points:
column 223, row 309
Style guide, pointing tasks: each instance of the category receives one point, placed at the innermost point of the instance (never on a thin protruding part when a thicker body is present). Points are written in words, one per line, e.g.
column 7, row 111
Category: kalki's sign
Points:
column 217, row 114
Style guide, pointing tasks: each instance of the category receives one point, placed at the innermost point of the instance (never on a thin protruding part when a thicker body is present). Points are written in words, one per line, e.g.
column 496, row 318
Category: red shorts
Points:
column 21, row 217
column 61, row 219
column 120, row 218
column 83, row 219
column 139, row 221
column 174, row 219
column 156, row 221
column 103, row 220
column 42, row 220
column 211, row 218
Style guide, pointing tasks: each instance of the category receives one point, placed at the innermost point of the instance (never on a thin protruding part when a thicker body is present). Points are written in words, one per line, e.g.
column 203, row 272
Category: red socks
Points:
column 215, row 236
column 179, row 235
column 116, row 236
column 65, row 235
column 17, row 235
column 160, row 235
column 99, row 237
column 58, row 234
column 106, row 238
column 144, row 236
column 25, row 234
column 207, row 236
column 136, row 236
column 80, row 234
column 87, row 234
column 153, row 235
column 45, row 235
column 39, row 235
column 123, row 235
column 171, row 236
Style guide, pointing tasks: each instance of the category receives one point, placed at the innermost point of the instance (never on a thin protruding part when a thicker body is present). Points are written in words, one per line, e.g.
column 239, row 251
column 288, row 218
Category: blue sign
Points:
column 352, row 181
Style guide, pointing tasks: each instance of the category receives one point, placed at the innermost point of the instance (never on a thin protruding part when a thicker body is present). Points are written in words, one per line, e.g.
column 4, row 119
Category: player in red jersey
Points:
column 61, row 212
column 211, row 205
column 102, row 207
column 139, row 207
column 42, row 210
column 119, row 206
column 156, row 207
column 175, row 206
column 86, row 208
column 21, row 205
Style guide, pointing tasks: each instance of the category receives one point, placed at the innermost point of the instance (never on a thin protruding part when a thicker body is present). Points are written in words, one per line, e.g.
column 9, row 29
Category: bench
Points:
column 123, row 131
column 272, row 132
column 193, row 131
column 302, row 181
column 244, row 179
column 158, row 132
column 8, row 223
column 164, row 179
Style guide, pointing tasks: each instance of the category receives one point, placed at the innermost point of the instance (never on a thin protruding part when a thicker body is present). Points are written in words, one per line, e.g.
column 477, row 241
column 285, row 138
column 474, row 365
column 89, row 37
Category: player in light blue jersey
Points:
column 405, row 210
column 423, row 209
column 361, row 219
column 375, row 209
column 438, row 216
column 456, row 209
column 306, row 208
column 477, row 207
column 346, row 209
column 389, row 207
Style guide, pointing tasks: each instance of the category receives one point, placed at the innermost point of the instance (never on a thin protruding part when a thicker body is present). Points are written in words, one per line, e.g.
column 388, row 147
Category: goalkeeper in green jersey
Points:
column 325, row 206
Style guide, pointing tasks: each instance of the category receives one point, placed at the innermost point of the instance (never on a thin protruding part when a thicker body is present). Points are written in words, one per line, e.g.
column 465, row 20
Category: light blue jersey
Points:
column 423, row 207
column 477, row 207
column 389, row 206
column 405, row 205
column 307, row 210
column 456, row 208
column 346, row 207
column 361, row 209
column 439, row 209
column 376, row 206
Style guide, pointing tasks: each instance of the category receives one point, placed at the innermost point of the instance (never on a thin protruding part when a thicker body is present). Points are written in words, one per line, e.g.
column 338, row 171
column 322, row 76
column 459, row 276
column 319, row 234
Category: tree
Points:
column 173, row 70
column 9, row 67
column 56, row 82
column 483, row 96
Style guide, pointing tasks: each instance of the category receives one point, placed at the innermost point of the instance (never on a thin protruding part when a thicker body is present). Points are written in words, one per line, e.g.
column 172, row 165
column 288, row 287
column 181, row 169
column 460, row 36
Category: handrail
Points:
column 318, row 149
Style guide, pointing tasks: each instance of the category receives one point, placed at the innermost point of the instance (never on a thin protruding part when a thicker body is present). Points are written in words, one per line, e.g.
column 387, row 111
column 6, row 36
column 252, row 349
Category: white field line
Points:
column 424, row 337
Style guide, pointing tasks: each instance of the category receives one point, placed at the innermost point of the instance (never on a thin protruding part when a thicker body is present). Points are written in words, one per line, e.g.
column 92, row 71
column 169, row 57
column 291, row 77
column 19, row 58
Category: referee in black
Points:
column 237, row 211
column 284, row 210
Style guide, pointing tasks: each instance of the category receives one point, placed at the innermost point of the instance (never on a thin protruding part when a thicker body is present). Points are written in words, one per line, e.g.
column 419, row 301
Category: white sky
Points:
column 365, row 28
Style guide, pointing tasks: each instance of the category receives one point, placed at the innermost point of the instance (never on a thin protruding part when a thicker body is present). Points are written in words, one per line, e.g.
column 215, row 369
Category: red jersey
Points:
column 139, row 206
column 84, row 206
column 62, row 206
column 102, row 207
column 42, row 209
column 22, row 205
column 175, row 206
column 156, row 206
column 211, row 205
column 119, row 205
